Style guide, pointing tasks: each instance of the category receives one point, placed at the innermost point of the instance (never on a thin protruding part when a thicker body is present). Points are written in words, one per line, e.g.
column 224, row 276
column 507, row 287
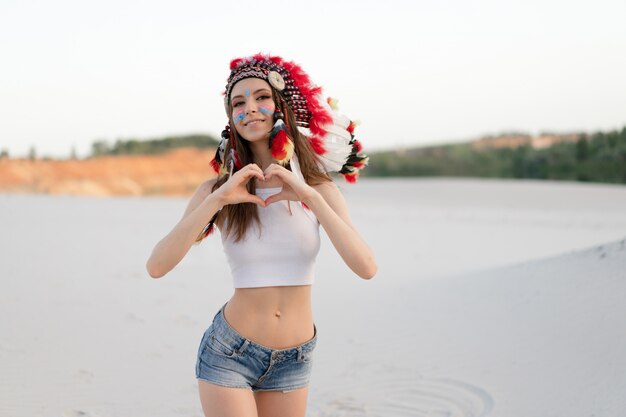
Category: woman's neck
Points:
column 262, row 154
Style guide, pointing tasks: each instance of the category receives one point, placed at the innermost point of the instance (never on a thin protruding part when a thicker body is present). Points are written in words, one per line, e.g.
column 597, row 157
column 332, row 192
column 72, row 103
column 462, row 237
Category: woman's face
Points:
column 253, row 109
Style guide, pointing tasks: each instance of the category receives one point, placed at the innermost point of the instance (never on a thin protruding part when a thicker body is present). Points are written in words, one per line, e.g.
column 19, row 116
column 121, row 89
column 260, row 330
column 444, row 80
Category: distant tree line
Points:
column 151, row 146
column 598, row 157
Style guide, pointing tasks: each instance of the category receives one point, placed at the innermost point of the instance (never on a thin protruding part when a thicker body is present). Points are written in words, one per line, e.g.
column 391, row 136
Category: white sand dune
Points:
column 538, row 338
column 493, row 298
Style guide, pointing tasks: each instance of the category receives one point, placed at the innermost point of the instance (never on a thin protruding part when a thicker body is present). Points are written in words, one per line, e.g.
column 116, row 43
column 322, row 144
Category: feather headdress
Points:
column 330, row 134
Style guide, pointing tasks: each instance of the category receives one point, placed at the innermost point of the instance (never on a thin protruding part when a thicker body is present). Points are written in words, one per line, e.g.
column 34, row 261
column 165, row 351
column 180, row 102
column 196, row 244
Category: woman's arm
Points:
column 174, row 246
column 201, row 208
column 331, row 210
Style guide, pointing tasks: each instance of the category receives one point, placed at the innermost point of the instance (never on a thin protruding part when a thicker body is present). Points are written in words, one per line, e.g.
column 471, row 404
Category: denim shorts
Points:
column 228, row 359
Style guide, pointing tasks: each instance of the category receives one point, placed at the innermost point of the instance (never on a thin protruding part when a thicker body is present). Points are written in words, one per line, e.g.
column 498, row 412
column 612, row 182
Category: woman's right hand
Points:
column 234, row 190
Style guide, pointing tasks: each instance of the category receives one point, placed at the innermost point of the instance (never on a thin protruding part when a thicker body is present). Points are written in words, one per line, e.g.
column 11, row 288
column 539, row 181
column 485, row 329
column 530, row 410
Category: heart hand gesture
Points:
column 294, row 189
column 234, row 190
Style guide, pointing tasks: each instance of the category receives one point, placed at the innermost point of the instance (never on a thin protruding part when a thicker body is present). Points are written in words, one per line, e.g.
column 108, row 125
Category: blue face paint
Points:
column 247, row 93
column 239, row 117
column 266, row 111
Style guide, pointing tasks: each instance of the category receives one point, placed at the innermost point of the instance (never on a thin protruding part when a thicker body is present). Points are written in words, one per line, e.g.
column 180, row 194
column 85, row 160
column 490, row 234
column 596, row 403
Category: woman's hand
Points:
column 234, row 190
column 294, row 189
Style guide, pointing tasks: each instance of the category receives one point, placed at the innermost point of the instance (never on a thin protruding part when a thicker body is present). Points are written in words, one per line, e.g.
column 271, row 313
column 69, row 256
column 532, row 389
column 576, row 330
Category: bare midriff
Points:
column 275, row 317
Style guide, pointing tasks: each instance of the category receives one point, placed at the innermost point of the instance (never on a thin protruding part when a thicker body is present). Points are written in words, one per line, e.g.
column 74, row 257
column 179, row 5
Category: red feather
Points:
column 358, row 145
column 358, row 164
column 351, row 177
column 235, row 63
column 215, row 165
column 278, row 146
column 316, row 127
column 318, row 145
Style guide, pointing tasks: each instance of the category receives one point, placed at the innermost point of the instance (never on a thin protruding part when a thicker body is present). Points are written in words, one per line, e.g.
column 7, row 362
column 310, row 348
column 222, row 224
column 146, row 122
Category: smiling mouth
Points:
column 252, row 122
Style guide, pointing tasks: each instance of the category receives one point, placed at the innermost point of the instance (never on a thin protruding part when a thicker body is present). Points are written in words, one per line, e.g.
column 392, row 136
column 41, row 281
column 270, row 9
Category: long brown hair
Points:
column 240, row 215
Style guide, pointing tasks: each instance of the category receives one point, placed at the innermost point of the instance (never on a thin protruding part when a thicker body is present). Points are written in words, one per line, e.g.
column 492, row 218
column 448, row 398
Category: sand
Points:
column 176, row 172
column 493, row 298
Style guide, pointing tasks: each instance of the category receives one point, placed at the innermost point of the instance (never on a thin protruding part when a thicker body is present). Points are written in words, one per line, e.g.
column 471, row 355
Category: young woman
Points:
column 270, row 197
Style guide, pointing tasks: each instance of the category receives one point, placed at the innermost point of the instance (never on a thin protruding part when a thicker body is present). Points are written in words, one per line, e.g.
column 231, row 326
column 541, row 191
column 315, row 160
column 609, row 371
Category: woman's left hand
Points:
column 294, row 189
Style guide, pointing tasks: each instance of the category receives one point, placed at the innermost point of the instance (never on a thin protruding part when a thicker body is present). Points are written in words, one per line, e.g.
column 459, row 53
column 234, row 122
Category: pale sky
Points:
column 413, row 72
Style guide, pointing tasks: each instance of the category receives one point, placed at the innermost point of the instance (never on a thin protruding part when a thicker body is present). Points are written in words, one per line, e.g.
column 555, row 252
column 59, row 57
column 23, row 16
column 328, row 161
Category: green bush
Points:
column 152, row 146
column 599, row 157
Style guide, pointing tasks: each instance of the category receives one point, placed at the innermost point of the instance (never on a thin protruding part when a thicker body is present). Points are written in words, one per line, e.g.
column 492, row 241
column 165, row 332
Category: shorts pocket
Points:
column 220, row 347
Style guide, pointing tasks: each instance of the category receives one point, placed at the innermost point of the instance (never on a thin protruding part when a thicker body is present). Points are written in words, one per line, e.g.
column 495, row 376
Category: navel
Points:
column 277, row 314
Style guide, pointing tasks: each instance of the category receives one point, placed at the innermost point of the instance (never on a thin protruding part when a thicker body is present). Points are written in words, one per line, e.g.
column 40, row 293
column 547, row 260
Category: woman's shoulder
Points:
column 206, row 187
column 203, row 190
column 331, row 193
column 325, row 185
column 328, row 189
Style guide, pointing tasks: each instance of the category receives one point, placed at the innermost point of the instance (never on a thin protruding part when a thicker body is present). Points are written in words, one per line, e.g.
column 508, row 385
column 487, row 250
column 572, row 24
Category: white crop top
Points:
column 282, row 252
